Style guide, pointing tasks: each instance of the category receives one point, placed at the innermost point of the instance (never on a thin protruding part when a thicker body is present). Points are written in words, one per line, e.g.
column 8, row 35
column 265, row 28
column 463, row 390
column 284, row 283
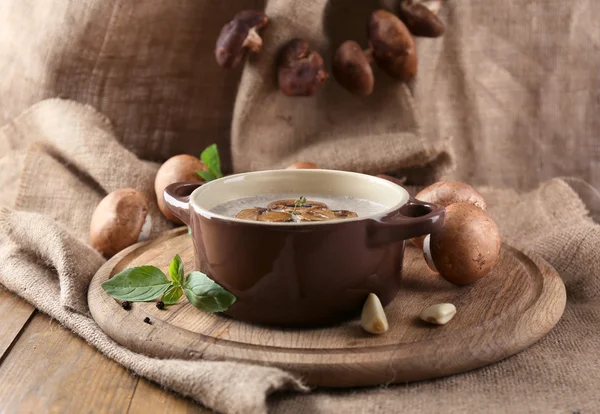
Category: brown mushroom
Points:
column 120, row 220
column 324, row 215
column 466, row 248
column 300, row 70
column 291, row 205
column 275, row 217
column 239, row 35
column 302, row 165
column 393, row 46
column 262, row 214
column 420, row 19
column 250, row 213
column 180, row 168
column 445, row 193
column 352, row 68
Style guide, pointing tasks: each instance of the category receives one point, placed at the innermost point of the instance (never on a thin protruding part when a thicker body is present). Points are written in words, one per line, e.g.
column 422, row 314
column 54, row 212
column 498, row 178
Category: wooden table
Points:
column 45, row 368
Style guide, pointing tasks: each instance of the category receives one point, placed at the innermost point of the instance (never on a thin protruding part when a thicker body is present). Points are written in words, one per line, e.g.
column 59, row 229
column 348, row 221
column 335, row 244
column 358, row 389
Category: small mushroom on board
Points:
column 466, row 248
column 393, row 47
column 239, row 35
column 445, row 193
column 300, row 70
column 180, row 168
column 120, row 220
column 422, row 21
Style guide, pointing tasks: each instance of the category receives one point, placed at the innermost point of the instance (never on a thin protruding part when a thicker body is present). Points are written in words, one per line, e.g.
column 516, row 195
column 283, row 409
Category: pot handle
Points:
column 415, row 218
column 177, row 198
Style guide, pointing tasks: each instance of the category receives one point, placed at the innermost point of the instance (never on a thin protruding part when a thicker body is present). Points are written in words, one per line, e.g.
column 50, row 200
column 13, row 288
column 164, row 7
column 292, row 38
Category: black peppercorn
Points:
column 160, row 305
column 126, row 305
column 147, row 320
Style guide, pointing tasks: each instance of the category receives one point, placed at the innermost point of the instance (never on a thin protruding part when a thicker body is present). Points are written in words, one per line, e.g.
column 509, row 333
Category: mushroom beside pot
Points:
column 300, row 70
column 446, row 193
column 238, row 36
column 180, row 168
column 466, row 248
column 120, row 220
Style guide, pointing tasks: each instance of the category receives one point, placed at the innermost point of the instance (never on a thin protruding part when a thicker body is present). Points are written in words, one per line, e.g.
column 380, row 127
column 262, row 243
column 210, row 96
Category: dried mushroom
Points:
column 239, row 35
column 300, row 70
column 420, row 19
column 393, row 46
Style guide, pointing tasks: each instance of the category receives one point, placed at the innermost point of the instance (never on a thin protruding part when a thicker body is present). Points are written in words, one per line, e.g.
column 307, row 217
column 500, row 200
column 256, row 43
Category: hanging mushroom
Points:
column 238, row 36
column 300, row 70
column 391, row 46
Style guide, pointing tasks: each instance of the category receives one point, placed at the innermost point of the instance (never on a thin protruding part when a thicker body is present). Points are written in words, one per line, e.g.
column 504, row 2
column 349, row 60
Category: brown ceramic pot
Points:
column 302, row 274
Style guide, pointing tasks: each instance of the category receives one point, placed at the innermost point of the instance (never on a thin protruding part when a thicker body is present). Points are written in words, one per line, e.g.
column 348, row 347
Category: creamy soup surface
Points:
column 281, row 207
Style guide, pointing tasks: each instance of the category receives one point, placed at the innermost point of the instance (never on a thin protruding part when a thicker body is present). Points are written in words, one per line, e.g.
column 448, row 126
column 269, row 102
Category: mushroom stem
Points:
column 433, row 5
column 253, row 41
column 146, row 229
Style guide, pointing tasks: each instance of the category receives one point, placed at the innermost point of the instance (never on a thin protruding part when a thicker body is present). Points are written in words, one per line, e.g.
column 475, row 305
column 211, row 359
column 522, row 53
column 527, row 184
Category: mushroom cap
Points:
column 301, row 70
column 393, row 46
column 352, row 69
column 467, row 247
column 445, row 193
column 302, row 165
column 420, row 20
column 118, row 221
column 325, row 215
column 262, row 214
column 231, row 44
column 290, row 204
column 180, row 168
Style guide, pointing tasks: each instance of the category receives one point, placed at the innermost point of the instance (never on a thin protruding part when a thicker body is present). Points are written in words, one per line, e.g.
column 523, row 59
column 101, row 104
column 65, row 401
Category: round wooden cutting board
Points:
column 504, row 313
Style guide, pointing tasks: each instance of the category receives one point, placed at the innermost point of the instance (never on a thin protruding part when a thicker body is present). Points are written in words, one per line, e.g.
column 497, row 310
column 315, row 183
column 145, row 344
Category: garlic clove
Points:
column 373, row 319
column 439, row 314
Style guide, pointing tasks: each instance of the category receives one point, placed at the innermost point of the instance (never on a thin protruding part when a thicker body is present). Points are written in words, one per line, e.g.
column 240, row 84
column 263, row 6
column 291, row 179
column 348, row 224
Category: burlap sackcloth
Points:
column 44, row 257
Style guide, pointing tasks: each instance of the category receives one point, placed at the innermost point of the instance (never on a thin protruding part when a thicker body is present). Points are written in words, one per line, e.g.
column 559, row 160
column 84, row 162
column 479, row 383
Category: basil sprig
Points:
column 147, row 283
column 210, row 158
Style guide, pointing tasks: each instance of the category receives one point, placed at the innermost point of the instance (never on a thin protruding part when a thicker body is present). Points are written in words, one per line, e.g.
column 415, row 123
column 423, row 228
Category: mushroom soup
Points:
column 287, row 208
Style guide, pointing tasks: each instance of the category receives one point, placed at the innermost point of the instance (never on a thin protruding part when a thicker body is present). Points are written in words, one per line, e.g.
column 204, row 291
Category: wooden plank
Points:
column 14, row 314
column 149, row 397
column 49, row 369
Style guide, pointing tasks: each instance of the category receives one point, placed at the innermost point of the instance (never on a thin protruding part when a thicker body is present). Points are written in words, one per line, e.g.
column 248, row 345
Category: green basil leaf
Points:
column 210, row 158
column 176, row 270
column 206, row 175
column 137, row 284
column 172, row 295
column 206, row 294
